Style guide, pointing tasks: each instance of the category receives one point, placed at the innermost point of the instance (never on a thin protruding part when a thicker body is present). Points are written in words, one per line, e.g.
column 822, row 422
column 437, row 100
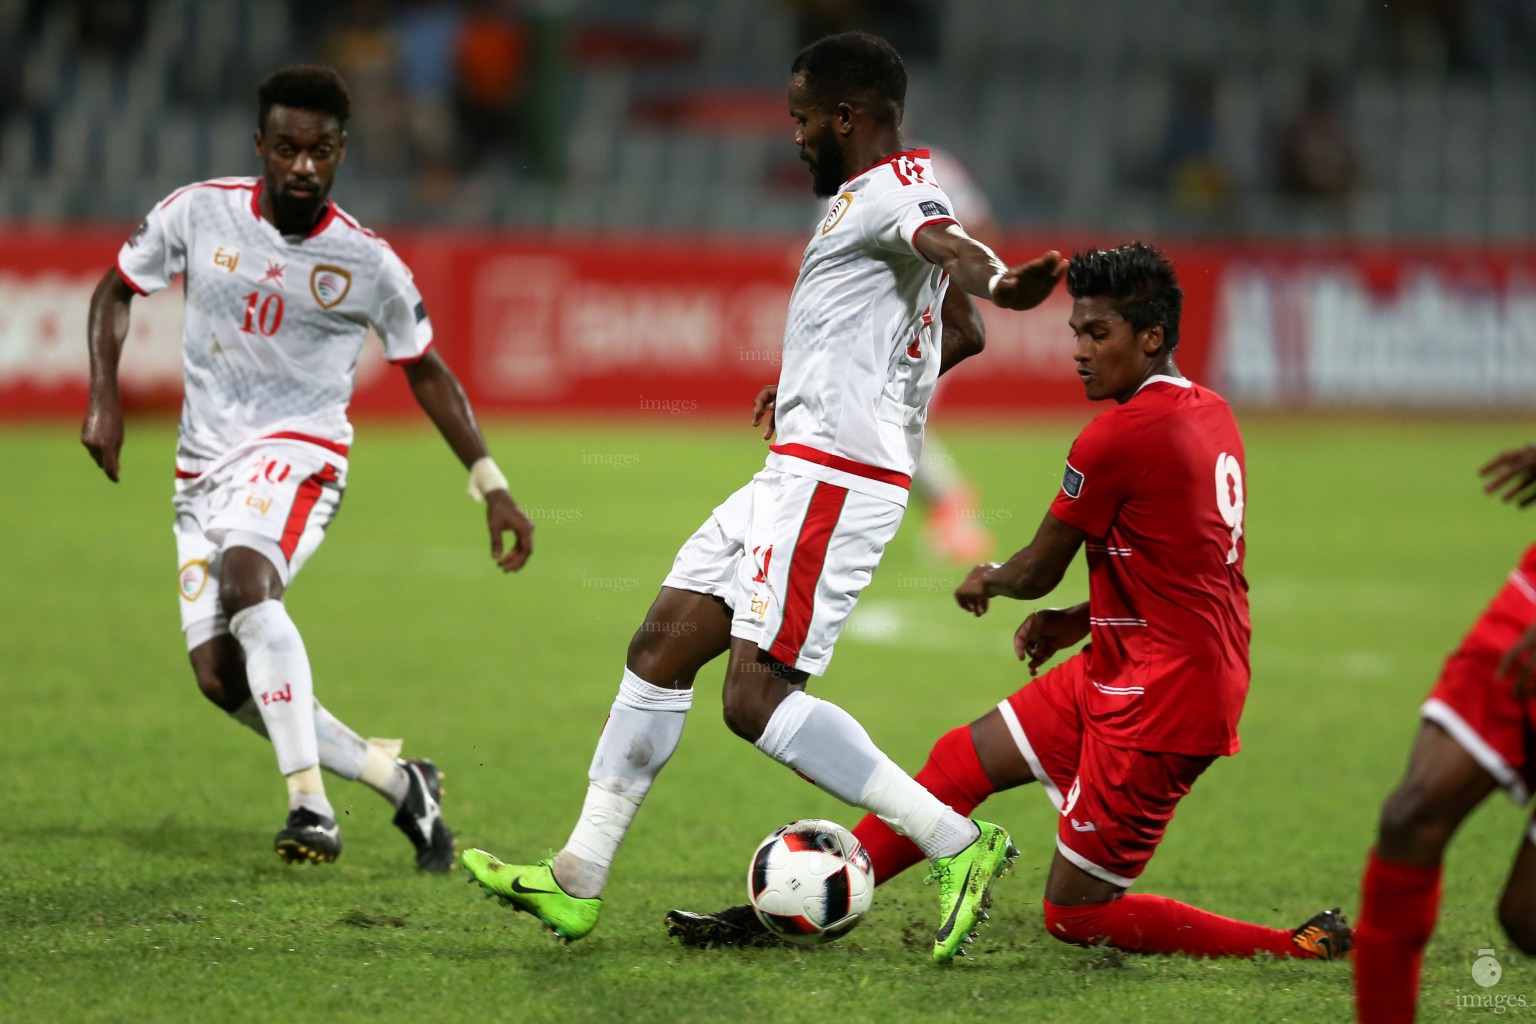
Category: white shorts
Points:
column 790, row 556
column 276, row 497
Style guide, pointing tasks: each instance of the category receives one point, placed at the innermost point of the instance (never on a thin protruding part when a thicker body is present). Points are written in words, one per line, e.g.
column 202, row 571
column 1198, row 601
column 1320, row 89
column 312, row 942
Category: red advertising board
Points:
column 627, row 326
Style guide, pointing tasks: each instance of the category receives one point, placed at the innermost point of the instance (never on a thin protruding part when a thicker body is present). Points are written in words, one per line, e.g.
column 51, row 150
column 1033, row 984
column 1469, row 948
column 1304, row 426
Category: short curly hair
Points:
column 853, row 66
column 315, row 87
column 1138, row 279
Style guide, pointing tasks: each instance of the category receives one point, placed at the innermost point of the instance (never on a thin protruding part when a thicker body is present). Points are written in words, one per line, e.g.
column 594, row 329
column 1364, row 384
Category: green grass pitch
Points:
column 137, row 880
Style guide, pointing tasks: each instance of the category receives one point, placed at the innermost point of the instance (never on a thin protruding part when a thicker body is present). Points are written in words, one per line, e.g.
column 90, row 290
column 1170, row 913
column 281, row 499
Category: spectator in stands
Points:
column 1502, row 35
column 15, row 37
column 490, row 77
column 360, row 46
column 425, row 37
column 112, row 27
column 1424, row 36
column 1189, row 166
column 1315, row 153
column 424, row 33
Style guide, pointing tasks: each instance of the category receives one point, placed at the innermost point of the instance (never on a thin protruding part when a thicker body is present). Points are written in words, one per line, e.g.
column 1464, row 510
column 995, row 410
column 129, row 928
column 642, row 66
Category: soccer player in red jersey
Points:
column 1475, row 737
column 1116, row 734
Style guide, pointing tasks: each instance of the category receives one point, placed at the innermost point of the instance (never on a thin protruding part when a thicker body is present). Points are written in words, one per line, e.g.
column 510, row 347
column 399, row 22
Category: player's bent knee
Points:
column 212, row 687
column 248, row 575
column 647, row 656
column 225, row 693
column 1076, row 926
column 744, row 715
column 1411, row 824
column 668, row 652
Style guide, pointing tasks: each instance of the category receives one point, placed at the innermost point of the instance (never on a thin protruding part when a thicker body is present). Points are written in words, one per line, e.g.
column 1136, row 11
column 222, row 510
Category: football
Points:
column 810, row 882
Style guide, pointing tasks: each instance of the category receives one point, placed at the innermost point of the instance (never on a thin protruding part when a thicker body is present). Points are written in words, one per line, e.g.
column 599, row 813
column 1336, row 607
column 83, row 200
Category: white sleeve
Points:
column 398, row 314
column 157, row 250
column 900, row 213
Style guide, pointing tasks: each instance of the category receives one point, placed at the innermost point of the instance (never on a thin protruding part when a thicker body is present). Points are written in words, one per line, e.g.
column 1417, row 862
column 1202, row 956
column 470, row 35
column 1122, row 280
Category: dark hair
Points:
column 853, row 65
column 304, row 87
column 1138, row 279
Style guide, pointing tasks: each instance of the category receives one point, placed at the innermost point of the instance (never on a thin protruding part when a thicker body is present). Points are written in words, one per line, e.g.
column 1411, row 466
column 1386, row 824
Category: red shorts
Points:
column 1478, row 709
column 1115, row 803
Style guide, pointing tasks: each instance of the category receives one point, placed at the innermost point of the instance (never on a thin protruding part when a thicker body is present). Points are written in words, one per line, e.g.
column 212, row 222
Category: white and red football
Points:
column 810, row 881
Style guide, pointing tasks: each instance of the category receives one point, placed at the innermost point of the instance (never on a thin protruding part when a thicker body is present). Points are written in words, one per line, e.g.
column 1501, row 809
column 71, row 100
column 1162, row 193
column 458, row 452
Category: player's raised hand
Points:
column 503, row 516
column 1513, row 472
column 102, row 435
column 1518, row 665
column 974, row 594
column 1044, row 633
column 1027, row 285
column 763, row 406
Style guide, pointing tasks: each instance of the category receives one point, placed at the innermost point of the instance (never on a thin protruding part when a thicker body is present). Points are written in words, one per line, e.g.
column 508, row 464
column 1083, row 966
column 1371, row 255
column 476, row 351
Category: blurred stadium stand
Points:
column 625, row 115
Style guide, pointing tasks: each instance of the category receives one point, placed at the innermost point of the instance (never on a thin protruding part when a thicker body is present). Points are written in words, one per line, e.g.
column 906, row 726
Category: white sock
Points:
column 306, row 789
column 383, row 772
column 829, row 747
column 281, row 687
column 341, row 750
column 643, row 729
column 344, row 752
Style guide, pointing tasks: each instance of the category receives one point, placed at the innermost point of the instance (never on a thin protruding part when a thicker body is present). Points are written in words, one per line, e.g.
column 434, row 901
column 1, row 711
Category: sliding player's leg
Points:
column 993, row 754
column 1115, row 812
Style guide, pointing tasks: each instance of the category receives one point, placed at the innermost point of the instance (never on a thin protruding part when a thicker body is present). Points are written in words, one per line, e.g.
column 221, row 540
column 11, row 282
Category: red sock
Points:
column 1153, row 924
column 1398, row 908
column 954, row 775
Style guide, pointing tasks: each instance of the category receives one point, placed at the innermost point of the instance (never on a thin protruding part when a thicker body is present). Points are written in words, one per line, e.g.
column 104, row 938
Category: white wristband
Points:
column 992, row 284
column 484, row 478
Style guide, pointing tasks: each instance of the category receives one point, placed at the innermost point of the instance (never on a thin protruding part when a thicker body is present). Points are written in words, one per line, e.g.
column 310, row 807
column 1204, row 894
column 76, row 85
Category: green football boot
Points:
column 965, row 888
column 532, row 889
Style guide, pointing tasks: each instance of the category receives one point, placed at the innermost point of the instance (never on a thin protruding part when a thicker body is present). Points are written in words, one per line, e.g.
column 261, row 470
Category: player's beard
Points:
column 827, row 172
column 294, row 212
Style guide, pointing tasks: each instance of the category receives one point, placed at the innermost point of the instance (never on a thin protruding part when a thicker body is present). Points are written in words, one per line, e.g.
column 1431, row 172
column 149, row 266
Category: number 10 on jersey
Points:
column 262, row 315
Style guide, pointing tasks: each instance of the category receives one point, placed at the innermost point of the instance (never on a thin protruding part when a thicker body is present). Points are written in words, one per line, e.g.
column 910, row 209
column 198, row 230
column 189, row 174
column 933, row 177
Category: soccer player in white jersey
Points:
column 773, row 573
column 281, row 289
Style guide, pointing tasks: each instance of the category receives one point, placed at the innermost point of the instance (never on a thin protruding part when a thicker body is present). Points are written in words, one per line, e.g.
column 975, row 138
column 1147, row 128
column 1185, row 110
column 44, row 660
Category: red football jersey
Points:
column 1158, row 485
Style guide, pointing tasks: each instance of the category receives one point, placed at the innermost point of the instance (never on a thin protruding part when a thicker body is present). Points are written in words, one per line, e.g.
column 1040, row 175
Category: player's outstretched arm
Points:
column 442, row 398
column 102, row 431
column 964, row 333
column 1030, row 574
column 977, row 269
column 1513, row 472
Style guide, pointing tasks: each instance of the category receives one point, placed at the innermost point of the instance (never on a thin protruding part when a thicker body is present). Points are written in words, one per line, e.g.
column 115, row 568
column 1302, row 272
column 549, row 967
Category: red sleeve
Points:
column 1099, row 473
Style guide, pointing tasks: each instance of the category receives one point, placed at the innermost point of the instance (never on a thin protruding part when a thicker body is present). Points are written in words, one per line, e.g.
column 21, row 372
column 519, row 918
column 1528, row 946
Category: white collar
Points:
column 1163, row 378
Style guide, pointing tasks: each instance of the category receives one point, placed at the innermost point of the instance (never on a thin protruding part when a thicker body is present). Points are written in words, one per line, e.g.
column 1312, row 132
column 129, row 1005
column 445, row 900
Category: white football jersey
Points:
column 861, row 345
column 273, row 324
